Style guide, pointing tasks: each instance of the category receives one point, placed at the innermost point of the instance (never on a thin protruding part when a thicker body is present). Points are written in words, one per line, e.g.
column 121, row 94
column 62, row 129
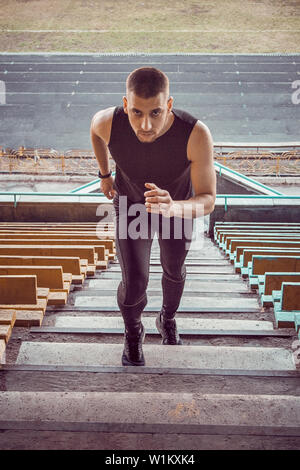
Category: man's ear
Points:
column 125, row 104
column 170, row 103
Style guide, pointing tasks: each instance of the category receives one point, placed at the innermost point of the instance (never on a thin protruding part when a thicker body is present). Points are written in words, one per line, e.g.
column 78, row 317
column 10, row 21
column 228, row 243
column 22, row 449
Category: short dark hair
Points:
column 147, row 82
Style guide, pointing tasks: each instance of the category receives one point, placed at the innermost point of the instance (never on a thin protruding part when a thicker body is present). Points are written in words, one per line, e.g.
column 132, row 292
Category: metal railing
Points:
column 15, row 194
column 18, row 193
column 252, row 158
column 252, row 196
column 246, row 178
column 87, row 185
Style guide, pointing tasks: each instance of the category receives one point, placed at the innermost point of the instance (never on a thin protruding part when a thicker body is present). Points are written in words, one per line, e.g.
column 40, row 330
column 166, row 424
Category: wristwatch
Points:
column 104, row 176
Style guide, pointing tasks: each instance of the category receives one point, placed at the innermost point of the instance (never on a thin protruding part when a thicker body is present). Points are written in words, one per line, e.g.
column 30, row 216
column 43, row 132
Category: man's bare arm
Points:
column 100, row 134
column 201, row 154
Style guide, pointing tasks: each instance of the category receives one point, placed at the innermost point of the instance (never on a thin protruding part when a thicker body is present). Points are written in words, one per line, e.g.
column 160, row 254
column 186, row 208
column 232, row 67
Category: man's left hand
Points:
column 158, row 200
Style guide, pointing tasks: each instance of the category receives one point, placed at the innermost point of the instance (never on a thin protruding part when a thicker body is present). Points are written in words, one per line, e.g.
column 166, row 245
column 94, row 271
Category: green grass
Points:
column 130, row 25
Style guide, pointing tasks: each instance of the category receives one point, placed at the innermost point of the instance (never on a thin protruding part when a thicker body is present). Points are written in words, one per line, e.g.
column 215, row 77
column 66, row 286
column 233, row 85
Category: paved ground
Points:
column 50, row 99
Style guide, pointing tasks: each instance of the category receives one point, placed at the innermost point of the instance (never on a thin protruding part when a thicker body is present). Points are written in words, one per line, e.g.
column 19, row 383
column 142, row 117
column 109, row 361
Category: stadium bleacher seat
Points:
column 268, row 254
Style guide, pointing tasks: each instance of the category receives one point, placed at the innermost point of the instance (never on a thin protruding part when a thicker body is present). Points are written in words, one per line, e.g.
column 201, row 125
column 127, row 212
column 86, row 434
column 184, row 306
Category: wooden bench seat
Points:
column 103, row 229
column 27, row 317
column 50, row 277
column 244, row 255
column 18, row 289
column 53, row 297
column 229, row 240
column 42, row 293
column 260, row 243
column 5, row 332
column 254, row 227
column 7, row 322
column 101, row 264
column 288, row 306
column 271, row 263
column 99, row 235
column 8, row 317
column 23, row 314
column 67, row 280
column 47, row 276
column 49, row 283
column 272, row 282
column 256, row 224
column 57, row 298
column 223, row 226
column 40, row 305
column 70, row 265
column 64, row 225
column 84, row 236
column 80, row 251
column 224, row 236
column 290, row 297
column 99, row 248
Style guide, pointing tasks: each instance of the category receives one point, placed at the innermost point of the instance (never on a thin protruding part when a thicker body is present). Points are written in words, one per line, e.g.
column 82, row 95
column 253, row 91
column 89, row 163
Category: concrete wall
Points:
column 51, row 212
column 227, row 186
column 257, row 210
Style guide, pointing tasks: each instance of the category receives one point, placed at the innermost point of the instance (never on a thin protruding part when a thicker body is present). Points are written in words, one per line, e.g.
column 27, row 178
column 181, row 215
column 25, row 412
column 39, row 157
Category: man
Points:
column 164, row 161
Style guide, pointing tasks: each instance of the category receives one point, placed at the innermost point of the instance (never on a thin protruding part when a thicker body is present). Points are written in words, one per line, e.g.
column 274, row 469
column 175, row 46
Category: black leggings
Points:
column 134, row 259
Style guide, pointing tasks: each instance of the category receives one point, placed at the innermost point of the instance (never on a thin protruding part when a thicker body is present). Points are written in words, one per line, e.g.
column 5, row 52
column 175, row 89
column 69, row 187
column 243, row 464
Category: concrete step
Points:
column 149, row 323
column 227, row 268
column 187, row 304
column 188, row 413
column 195, row 357
column 108, row 274
column 190, row 285
column 193, row 260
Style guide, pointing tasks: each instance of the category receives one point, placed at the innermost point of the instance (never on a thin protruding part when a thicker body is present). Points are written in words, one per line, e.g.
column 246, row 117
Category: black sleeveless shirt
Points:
column 163, row 162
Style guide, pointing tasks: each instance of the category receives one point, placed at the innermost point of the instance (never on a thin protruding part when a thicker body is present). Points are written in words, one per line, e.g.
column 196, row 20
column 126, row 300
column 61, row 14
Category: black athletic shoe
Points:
column 133, row 352
column 168, row 330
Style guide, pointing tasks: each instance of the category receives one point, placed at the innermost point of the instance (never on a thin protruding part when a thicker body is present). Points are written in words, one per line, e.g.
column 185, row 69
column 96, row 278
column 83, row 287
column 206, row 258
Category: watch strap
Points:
column 104, row 176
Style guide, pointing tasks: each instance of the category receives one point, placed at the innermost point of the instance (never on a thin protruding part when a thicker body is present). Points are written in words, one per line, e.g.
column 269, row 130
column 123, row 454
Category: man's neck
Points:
column 169, row 124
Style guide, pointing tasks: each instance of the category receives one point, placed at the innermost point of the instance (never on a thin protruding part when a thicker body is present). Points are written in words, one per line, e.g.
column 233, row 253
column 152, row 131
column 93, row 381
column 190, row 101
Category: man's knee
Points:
column 174, row 271
column 133, row 290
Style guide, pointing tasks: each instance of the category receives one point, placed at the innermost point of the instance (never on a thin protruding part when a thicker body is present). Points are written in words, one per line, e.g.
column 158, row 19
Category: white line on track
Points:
column 177, row 83
column 152, row 54
column 238, row 72
column 143, row 31
column 153, row 63
column 81, row 72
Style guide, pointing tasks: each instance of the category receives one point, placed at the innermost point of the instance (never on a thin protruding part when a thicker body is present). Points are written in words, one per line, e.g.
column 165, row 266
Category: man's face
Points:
column 148, row 117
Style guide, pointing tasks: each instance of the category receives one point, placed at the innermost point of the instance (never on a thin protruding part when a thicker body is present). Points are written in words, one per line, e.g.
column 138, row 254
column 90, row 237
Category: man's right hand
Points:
column 106, row 186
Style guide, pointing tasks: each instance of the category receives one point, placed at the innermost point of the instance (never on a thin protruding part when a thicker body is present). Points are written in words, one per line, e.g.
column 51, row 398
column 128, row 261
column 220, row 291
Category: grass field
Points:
column 156, row 26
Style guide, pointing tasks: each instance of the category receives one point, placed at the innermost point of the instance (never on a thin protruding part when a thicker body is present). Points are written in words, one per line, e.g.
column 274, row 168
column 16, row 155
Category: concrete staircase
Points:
column 233, row 384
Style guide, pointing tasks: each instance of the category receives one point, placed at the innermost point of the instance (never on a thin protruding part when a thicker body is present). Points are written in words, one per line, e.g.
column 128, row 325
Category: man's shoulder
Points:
column 102, row 121
column 198, row 128
column 185, row 116
column 200, row 138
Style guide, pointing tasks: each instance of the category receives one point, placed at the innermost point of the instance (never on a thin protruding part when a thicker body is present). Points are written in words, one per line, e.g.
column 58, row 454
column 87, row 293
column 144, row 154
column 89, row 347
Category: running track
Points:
column 50, row 99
